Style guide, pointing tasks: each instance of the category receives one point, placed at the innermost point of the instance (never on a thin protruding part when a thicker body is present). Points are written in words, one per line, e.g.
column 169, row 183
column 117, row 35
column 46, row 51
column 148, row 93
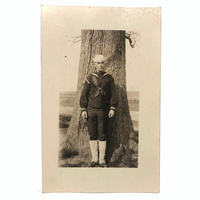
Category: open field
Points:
column 67, row 99
column 67, row 105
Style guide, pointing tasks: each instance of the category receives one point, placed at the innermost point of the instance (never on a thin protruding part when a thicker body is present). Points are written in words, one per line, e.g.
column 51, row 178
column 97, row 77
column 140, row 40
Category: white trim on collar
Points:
column 95, row 75
column 105, row 74
column 87, row 81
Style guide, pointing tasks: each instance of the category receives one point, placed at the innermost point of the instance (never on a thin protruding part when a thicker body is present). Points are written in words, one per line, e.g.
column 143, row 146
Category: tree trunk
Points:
column 120, row 143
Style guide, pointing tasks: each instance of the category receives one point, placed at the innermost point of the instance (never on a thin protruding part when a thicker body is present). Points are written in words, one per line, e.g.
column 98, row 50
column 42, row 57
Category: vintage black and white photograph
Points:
column 99, row 121
column 100, row 96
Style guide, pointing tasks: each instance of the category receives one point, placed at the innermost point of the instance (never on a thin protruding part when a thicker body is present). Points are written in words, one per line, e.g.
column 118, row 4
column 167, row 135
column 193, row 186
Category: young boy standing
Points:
column 98, row 103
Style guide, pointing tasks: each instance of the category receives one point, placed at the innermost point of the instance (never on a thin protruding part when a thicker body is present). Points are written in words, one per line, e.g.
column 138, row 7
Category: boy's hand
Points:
column 84, row 115
column 111, row 113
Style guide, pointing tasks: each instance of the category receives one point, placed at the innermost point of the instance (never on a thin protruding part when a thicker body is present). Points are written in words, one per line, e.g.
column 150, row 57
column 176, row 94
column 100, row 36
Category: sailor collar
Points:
column 94, row 74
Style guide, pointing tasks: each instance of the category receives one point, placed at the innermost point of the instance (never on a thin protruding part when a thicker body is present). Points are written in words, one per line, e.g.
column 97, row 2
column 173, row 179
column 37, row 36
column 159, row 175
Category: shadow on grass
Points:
column 66, row 153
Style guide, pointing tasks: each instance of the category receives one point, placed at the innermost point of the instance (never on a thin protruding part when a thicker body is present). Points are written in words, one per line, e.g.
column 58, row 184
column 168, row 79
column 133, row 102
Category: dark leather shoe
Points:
column 93, row 164
column 103, row 165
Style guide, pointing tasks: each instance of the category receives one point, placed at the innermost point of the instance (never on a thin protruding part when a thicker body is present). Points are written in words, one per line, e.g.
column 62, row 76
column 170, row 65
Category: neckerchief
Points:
column 99, row 89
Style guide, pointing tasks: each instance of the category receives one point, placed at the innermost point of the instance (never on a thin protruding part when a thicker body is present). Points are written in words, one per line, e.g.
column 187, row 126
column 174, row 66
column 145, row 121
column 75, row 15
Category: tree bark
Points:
column 121, row 134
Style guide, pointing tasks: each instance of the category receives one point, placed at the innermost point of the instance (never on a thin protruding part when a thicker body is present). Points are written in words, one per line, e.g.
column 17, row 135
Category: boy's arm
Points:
column 84, row 94
column 114, row 96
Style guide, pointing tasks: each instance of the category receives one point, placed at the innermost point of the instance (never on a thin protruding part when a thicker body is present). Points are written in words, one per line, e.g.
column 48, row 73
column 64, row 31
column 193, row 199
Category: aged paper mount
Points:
column 60, row 74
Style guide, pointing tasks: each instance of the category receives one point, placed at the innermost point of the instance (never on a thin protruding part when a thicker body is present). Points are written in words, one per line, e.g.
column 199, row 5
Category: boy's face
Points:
column 99, row 66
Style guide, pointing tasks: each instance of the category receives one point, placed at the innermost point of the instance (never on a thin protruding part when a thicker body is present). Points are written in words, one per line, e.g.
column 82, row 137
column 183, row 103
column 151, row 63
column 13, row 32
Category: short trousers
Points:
column 97, row 124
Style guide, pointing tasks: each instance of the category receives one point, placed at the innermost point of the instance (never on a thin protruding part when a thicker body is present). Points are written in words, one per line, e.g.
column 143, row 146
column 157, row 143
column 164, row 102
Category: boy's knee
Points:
column 93, row 137
column 102, row 137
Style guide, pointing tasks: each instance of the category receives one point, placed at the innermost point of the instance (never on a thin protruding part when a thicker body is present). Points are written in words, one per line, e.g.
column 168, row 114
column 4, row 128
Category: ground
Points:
column 66, row 160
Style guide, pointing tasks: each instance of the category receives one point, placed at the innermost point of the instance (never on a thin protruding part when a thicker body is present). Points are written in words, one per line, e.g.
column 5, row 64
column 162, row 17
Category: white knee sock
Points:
column 102, row 151
column 94, row 150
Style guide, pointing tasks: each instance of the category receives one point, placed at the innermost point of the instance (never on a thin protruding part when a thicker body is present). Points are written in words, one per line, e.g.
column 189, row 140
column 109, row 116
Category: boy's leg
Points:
column 103, row 122
column 94, row 151
column 102, row 153
column 92, row 129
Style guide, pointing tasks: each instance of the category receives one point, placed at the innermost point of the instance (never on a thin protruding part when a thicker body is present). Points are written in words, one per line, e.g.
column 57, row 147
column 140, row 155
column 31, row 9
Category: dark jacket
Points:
column 104, row 97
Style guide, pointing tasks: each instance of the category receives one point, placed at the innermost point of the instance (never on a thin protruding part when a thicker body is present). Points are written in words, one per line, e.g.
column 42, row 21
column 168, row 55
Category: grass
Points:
column 67, row 153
